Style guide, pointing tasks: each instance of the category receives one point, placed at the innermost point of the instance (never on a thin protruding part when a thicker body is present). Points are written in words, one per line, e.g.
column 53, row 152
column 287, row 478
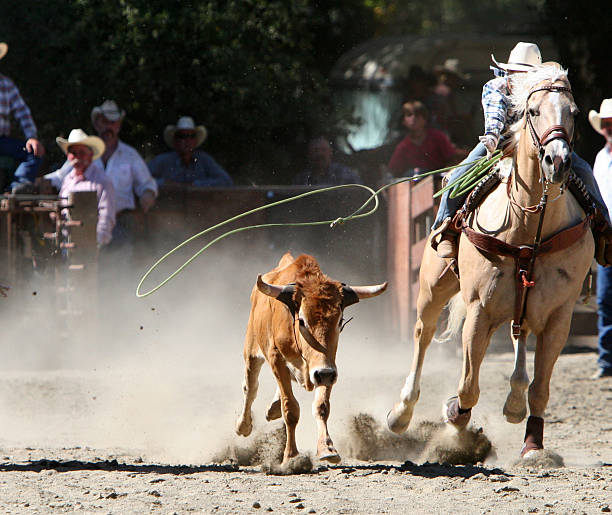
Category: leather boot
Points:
column 447, row 247
column 444, row 240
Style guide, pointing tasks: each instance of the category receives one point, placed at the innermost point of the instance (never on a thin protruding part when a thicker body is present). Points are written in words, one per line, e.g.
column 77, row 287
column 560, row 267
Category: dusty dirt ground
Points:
column 116, row 439
column 136, row 414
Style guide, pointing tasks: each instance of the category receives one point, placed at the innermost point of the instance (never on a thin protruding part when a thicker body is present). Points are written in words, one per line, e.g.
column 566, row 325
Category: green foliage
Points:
column 460, row 16
column 253, row 71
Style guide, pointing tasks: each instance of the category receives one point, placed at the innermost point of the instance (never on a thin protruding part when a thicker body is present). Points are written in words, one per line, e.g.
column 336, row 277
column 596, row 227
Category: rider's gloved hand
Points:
column 490, row 142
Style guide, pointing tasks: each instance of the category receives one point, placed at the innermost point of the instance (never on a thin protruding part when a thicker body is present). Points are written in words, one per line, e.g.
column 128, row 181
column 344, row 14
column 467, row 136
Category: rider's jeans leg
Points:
column 449, row 206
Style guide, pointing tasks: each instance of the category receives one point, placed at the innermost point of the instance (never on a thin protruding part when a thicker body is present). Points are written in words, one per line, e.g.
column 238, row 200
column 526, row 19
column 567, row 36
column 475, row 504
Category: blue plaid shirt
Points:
column 11, row 102
column 496, row 106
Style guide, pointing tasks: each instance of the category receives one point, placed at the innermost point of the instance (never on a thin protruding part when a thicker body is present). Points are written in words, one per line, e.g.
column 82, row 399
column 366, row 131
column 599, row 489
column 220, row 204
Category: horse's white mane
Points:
column 523, row 84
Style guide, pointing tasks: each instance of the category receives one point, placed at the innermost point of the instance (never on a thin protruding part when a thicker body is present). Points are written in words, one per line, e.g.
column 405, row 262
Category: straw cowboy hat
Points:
column 3, row 49
column 605, row 111
column 523, row 57
column 185, row 123
column 109, row 109
column 78, row 136
column 451, row 66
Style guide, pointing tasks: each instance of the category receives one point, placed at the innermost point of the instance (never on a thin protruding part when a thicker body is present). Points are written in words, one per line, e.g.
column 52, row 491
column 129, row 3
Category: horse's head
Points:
column 544, row 99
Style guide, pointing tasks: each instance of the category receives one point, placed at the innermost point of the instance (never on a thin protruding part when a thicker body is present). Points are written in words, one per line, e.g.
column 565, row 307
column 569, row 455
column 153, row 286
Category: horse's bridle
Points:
column 553, row 132
column 550, row 134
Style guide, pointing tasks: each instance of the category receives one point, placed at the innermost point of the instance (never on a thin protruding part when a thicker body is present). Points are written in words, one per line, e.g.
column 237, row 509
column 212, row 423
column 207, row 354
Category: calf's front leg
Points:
column 289, row 404
column 252, row 367
column 320, row 411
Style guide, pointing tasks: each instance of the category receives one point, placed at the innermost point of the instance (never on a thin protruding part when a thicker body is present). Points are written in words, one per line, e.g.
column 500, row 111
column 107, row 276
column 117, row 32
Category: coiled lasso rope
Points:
column 462, row 184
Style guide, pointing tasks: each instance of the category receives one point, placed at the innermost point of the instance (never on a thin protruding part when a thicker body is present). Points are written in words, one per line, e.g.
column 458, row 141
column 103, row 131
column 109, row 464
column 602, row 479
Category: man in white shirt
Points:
column 602, row 170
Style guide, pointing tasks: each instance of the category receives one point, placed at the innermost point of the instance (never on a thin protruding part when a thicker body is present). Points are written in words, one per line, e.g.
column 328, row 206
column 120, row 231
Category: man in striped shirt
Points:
column 27, row 153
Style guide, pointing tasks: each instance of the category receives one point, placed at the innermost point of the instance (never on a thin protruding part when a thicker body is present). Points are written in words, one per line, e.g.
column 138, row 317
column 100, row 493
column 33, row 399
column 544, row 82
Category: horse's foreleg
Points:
column 400, row 415
column 549, row 346
column 477, row 332
column 515, row 408
column 434, row 293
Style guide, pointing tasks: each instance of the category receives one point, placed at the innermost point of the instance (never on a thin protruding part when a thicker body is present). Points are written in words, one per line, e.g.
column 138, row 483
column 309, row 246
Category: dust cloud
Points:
column 161, row 377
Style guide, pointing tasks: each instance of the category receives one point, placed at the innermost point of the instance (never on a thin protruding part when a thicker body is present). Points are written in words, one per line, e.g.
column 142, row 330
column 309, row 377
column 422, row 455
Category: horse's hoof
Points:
column 531, row 453
column 515, row 410
column 244, row 427
column 399, row 423
column 453, row 416
column 514, row 418
column 274, row 411
column 333, row 458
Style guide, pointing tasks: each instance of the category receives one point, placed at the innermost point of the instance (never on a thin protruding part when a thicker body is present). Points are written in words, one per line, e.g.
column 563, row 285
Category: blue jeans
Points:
column 27, row 171
column 604, row 322
column 450, row 206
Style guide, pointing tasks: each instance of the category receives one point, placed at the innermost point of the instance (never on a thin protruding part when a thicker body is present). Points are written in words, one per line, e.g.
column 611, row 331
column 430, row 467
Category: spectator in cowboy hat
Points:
column 186, row 164
column 27, row 153
column 86, row 174
column 602, row 169
column 123, row 164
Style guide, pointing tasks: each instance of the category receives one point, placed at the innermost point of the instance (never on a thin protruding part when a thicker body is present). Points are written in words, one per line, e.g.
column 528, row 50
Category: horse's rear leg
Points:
column 515, row 408
column 435, row 291
column 549, row 346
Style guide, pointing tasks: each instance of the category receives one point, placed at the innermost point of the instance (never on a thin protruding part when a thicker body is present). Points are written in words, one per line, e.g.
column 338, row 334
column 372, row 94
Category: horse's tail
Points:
column 454, row 322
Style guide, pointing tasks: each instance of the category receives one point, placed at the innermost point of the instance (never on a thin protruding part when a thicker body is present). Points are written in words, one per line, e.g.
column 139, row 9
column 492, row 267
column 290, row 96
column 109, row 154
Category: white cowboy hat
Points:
column 451, row 65
column 3, row 49
column 78, row 136
column 109, row 109
column 523, row 57
column 605, row 111
column 185, row 123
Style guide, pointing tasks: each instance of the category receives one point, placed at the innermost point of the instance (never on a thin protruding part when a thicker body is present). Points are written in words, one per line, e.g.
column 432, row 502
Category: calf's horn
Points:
column 284, row 293
column 353, row 294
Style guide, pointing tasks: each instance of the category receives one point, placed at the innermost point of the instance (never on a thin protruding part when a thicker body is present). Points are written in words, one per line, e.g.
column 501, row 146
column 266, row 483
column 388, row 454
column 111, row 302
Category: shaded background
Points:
column 257, row 73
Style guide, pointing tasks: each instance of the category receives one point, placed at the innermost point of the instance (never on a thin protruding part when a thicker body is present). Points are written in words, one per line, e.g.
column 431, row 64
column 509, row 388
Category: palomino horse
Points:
column 494, row 277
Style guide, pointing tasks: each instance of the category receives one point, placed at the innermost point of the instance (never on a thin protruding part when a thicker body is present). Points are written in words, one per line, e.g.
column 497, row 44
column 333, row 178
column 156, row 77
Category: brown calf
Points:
column 295, row 322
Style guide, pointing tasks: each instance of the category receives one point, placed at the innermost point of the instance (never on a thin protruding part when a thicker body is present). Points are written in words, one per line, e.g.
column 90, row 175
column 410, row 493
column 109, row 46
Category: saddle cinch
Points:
column 575, row 186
